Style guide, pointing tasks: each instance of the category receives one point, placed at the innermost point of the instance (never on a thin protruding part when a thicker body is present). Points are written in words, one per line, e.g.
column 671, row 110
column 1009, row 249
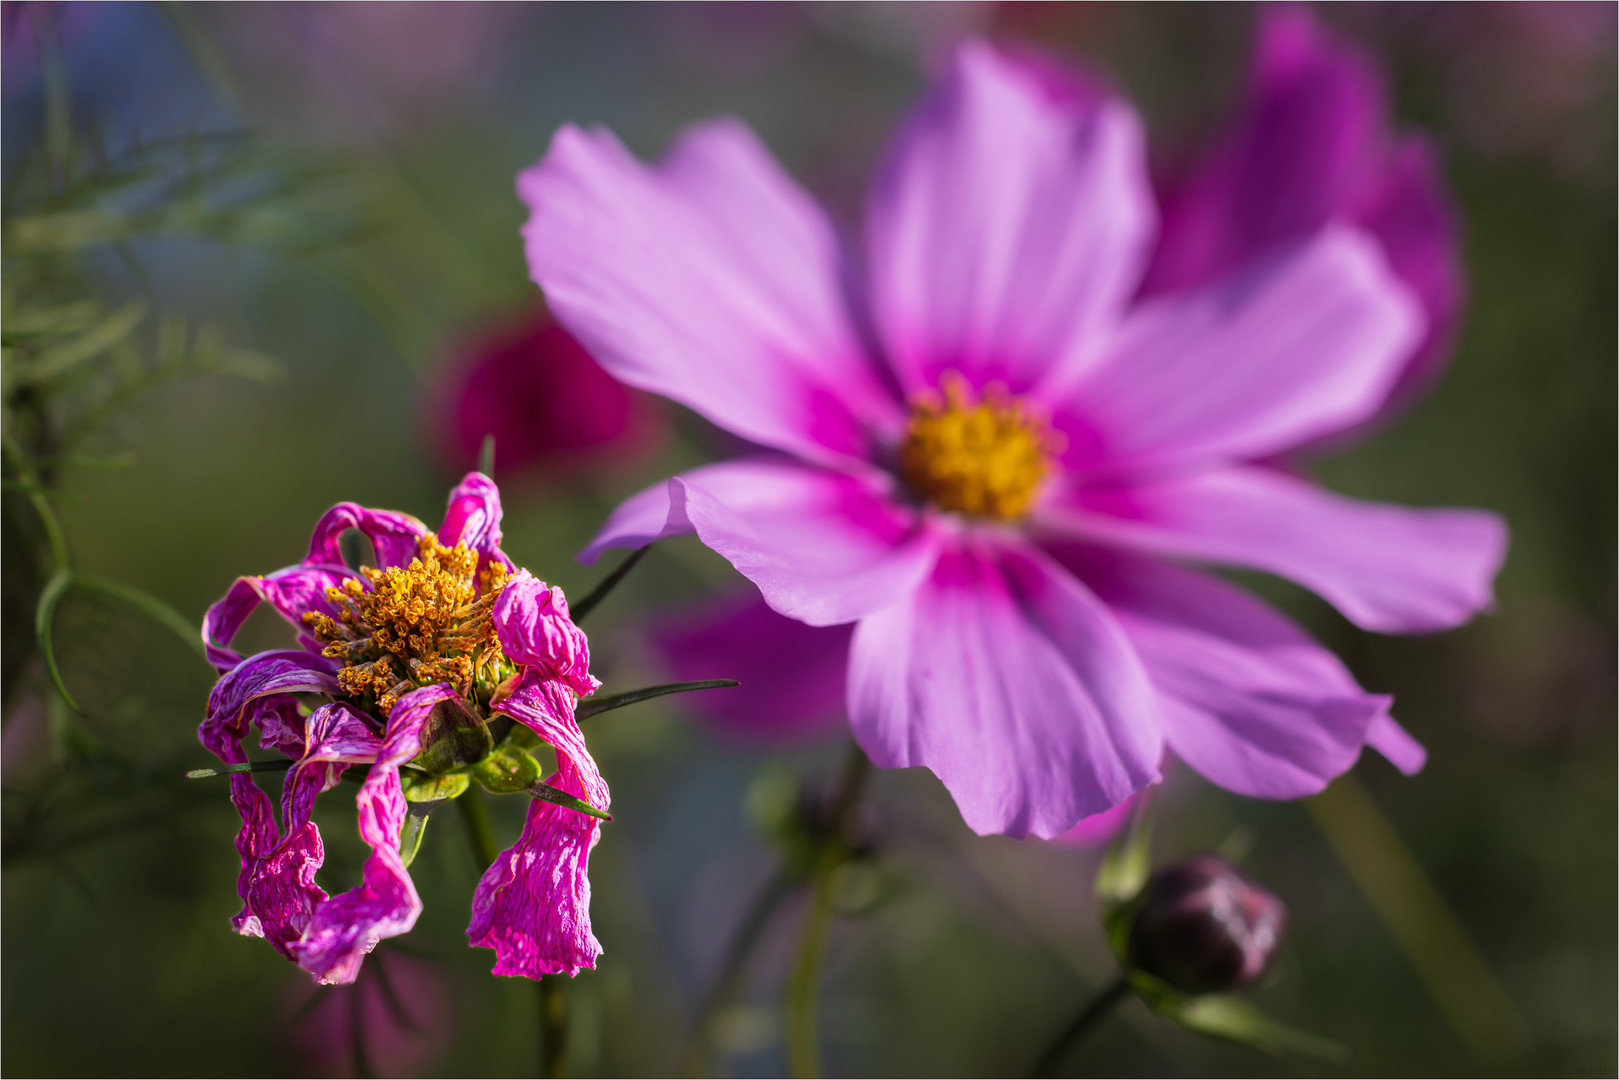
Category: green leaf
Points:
column 507, row 771
column 99, row 338
column 593, row 705
column 415, row 827
column 580, row 611
column 432, row 789
column 278, row 765
column 1221, row 1016
column 547, row 793
column 50, row 598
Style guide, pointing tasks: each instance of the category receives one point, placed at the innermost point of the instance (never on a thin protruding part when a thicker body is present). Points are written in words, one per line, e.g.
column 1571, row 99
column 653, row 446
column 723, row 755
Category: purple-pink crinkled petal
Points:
column 711, row 280
column 1393, row 569
column 1245, row 697
column 286, row 671
column 792, row 675
column 1007, row 228
column 532, row 906
column 392, row 534
column 281, row 891
column 290, row 592
column 824, row 547
column 473, row 518
column 532, row 622
column 1298, row 345
column 1012, row 683
column 1310, row 145
column 343, row 929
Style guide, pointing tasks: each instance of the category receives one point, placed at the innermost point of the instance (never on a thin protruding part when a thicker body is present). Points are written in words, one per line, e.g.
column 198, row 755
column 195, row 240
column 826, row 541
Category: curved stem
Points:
column 1080, row 1026
column 803, row 982
column 479, row 834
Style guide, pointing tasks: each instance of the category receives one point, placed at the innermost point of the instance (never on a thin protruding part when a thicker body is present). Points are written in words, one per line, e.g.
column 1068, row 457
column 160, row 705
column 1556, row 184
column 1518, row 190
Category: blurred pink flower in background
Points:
column 396, row 1020
column 1309, row 146
column 987, row 448
column 546, row 402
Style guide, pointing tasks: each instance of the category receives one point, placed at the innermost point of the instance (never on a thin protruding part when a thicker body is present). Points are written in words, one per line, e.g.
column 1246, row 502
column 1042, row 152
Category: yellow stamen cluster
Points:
column 423, row 623
column 985, row 458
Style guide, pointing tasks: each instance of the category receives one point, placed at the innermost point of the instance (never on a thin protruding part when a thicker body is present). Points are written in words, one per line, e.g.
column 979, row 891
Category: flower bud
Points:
column 1203, row 926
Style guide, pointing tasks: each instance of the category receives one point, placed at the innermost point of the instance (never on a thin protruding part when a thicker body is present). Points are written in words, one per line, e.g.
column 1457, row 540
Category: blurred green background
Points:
column 364, row 229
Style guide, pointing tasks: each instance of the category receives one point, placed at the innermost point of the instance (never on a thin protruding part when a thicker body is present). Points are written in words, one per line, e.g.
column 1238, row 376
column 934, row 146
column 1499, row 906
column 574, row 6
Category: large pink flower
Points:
column 428, row 662
column 985, row 450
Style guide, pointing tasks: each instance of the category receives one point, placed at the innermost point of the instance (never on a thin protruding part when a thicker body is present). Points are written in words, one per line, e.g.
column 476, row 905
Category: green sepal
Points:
column 508, row 770
column 547, row 793
column 1128, row 863
column 1231, row 1019
column 453, row 736
column 415, row 827
column 421, row 789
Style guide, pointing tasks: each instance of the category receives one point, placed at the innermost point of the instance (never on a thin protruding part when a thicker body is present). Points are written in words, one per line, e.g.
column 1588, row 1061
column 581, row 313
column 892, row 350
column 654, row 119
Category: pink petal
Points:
column 1009, row 680
column 712, row 280
column 532, row 905
column 290, row 592
column 823, row 547
column 1296, row 346
column 391, row 533
column 346, row 927
column 1391, row 740
column 281, row 892
column 473, row 518
column 532, row 622
column 1388, row 568
column 792, row 675
column 1246, row 698
column 1098, row 829
column 1007, row 228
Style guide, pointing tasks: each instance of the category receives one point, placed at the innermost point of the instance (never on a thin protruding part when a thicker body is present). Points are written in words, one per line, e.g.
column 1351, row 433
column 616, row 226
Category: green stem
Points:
column 476, row 818
column 1094, row 1012
column 1420, row 920
column 803, row 982
column 553, row 1026
column 581, row 611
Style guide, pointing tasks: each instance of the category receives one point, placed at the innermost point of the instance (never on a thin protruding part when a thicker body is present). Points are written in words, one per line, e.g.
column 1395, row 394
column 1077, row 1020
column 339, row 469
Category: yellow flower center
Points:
column 428, row 622
column 985, row 458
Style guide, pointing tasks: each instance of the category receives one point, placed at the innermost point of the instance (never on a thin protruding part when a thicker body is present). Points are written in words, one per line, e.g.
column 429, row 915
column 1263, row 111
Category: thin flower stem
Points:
column 1080, row 1026
column 1421, row 922
column 581, row 611
column 553, row 1026
column 803, row 982
column 476, row 817
column 733, row 969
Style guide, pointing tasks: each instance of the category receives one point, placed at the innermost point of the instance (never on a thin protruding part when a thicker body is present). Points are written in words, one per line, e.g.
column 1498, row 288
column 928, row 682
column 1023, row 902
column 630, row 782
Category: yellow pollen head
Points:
column 424, row 623
column 984, row 457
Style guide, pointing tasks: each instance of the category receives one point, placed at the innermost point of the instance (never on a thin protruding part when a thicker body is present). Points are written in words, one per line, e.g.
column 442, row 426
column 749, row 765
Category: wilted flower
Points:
column 985, row 445
column 1203, row 926
column 545, row 401
column 425, row 662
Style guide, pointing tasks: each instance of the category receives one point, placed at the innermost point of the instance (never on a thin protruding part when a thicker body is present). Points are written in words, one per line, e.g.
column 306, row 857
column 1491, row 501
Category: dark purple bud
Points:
column 1203, row 926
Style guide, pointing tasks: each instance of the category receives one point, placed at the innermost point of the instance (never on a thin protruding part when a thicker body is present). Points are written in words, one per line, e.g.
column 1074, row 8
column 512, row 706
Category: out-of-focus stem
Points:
column 803, row 982
column 1420, row 920
column 553, row 1026
column 479, row 833
column 1095, row 1011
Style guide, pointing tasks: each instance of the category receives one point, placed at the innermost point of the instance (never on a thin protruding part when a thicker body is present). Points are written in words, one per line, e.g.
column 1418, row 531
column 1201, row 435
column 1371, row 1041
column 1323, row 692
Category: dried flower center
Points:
column 985, row 457
column 428, row 622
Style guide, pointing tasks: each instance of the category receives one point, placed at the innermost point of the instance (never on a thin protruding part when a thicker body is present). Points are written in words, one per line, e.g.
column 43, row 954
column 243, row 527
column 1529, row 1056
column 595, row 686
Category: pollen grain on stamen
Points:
column 984, row 457
column 423, row 623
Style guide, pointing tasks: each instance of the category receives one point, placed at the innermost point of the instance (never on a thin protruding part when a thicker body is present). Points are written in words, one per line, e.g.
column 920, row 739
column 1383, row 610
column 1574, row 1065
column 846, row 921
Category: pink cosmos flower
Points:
column 1310, row 145
column 541, row 396
column 987, row 451
column 427, row 664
